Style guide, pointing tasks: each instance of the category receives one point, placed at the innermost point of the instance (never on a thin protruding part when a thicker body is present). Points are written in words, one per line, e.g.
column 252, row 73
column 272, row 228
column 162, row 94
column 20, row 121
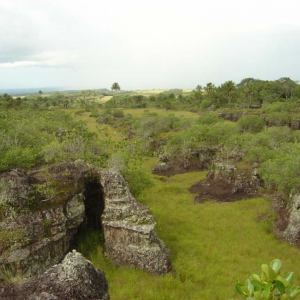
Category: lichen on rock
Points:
column 74, row 278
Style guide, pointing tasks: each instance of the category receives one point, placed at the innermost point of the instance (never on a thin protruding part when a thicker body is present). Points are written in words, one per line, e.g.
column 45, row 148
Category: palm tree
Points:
column 250, row 89
column 229, row 87
column 210, row 87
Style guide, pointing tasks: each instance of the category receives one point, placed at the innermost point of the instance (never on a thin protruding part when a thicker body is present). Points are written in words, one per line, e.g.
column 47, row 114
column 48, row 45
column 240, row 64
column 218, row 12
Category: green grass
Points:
column 139, row 112
column 212, row 244
column 103, row 131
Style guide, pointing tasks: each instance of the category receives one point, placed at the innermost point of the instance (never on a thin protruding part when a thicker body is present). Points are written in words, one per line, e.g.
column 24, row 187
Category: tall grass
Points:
column 212, row 244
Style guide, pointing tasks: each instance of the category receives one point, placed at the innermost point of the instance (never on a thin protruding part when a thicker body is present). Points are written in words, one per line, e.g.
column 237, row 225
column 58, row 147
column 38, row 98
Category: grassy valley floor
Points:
column 213, row 245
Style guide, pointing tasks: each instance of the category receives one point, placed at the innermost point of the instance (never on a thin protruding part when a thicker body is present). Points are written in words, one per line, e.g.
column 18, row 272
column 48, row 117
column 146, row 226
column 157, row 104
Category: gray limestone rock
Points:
column 73, row 279
column 129, row 229
column 38, row 236
column 291, row 232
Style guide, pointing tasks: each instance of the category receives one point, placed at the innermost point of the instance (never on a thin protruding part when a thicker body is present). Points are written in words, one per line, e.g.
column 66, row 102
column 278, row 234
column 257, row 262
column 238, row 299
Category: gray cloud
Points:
column 146, row 44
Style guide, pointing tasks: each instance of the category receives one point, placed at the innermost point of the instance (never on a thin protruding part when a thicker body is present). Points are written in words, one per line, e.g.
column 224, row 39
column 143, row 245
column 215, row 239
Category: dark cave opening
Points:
column 94, row 203
column 90, row 233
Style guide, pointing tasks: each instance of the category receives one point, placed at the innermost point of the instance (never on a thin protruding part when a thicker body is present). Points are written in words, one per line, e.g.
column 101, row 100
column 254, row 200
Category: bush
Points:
column 208, row 118
column 270, row 285
column 278, row 119
column 251, row 123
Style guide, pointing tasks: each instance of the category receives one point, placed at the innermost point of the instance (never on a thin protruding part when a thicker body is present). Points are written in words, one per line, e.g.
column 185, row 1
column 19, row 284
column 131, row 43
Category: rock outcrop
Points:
column 225, row 183
column 288, row 223
column 195, row 160
column 74, row 279
column 40, row 215
column 129, row 229
column 37, row 228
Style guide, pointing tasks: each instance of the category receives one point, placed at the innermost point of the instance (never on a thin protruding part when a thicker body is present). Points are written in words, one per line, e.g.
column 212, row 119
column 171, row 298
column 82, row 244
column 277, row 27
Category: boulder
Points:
column 74, row 278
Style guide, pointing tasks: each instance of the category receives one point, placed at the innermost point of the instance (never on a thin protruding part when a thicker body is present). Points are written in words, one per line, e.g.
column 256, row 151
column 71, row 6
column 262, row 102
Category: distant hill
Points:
column 29, row 91
column 48, row 90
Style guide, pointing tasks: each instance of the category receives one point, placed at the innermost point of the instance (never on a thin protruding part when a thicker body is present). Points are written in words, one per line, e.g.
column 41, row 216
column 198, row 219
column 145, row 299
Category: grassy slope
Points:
column 213, row 245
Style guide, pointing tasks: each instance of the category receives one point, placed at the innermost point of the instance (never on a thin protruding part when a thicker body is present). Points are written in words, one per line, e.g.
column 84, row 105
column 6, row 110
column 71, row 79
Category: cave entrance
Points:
column 94, row 202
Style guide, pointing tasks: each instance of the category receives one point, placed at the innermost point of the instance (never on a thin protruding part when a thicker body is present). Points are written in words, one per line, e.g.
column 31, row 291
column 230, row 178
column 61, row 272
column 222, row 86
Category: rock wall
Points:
column 74, row 279
column 288, row 223
column 129, row 229
column 37, row 227
column 36, row 238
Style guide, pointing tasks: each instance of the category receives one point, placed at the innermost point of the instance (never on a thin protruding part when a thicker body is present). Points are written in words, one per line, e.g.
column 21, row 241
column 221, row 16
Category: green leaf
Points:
column 276, row 265
column 290, row 278
column 285, row 297
column 283, row 280
column 271, row 275
column 249, row 286
column 239, row 287
column 295, row 292
column 257, row 295
column 257, row 283
column 280, row 286
column 267, row 290
column 256, row 277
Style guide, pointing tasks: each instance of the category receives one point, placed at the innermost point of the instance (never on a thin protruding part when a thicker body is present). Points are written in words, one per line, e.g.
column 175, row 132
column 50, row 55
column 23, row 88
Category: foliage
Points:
column 29, row 139
column 282, row 171
column 128, row 162
column 115, row 87
column 251, row 123
column 278, row 119
column 271, row 284
column 208, row 118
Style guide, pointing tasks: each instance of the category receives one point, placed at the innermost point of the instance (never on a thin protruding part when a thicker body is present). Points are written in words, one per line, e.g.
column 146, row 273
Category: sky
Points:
column 143, row 44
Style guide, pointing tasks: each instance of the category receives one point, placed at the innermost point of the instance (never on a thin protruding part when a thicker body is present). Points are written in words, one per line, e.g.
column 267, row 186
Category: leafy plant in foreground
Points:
column 269, row 285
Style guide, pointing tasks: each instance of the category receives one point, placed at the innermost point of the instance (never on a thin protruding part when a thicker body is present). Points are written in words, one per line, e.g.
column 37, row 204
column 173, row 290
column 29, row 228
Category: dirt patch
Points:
column 219, row 190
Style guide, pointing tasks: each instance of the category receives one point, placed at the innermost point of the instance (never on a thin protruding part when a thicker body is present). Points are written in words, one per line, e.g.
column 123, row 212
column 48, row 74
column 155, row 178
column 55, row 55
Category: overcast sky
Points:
column 143, row 44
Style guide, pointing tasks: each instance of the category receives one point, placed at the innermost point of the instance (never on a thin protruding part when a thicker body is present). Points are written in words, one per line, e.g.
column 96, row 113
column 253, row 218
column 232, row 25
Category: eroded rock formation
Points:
column 288, row 223
column 41, row 213
column 73, row 279
column 196, row 160
column 38, row 226
column 224, row 183
column 129, row 229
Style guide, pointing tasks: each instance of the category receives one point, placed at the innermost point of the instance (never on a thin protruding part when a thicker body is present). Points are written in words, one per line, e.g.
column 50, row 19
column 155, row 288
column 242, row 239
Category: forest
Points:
column 253, row 125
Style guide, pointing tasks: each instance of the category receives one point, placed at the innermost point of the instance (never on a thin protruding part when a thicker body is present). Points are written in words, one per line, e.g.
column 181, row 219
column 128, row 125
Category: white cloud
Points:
column 147, row 44
column 44, row 59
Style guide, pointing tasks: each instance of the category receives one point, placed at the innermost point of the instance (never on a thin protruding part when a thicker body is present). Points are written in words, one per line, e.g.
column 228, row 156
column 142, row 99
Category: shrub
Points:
column 270, row 285
column 251, row 123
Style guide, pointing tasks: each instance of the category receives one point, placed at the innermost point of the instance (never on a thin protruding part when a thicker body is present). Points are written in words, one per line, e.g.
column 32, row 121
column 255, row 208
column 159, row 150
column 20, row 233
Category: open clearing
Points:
column 213, row 245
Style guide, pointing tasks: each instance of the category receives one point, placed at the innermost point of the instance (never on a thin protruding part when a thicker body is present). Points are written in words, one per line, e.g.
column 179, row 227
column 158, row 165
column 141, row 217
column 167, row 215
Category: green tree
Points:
column 209, row 88
column 199, row 88
column 250, row 90
column 229, row 88
column 115, row 87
